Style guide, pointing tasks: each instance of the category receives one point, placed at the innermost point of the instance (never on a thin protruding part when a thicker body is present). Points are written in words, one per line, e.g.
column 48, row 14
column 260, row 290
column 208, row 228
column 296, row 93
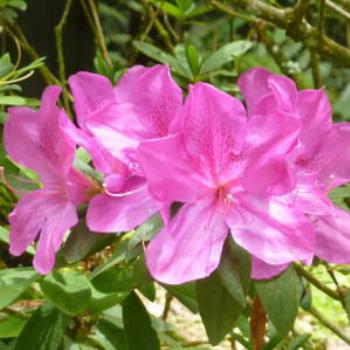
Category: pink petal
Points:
column 333, row 160
column 253, row 86
column 269, row 140
column 190, row 247
column 333, row 236
column 35, row 140
column 157, row 97
column 92, row 93
column 271, row 230
column 169, row 175
column 213, row 131
column 42, row 213
column 314, row 110
column 264, row 271
column 123, row 213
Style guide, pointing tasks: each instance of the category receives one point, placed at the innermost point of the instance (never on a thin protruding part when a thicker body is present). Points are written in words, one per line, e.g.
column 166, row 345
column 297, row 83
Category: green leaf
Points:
column 234, row 271
column 12, row 100
column 161, row 56
column 224, row 55
column 18, row 4
column 11, row 327
column 186, row 294
column 280, row 297
column 110, row 287
column 347, row 303
column 5, row 64
column 13, row 282
column 339, row 194
column 217, row 308
column 299, row 341
column 137, row 325
column 69, row 291
column 43, row 331
column 82, row 243
column 193, row 58
column 115, row 336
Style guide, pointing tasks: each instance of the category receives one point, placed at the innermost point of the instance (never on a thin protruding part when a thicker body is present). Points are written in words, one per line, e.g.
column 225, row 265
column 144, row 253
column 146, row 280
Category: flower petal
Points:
column 34, row 138
column 41, row 213
column 264, row 271
column 269, row 140
column 92, row 93
column 117, row 214
column 271, row 230
column 170, row 176
column 155, row 94
column 333, row 236
column 190, row 247
column 213, row 131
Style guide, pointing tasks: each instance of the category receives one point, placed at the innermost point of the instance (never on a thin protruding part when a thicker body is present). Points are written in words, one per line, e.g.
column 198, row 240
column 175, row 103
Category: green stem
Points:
column 297, row 28
column 314, row 312
column 60, row 54
column 318, row 284
column 99, row 32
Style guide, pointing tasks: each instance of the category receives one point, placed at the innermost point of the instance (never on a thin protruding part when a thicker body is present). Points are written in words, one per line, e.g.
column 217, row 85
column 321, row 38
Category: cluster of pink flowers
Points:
column 260, row 173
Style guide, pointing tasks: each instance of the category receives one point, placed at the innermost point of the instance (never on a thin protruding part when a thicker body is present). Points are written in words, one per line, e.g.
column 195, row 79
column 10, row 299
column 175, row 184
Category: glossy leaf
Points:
column 217, row 308
column 224, row 55
column 43, row 331
column 69, row 291
column 13, row 282
column 280, row 297
column 138, row 327
column 234, row 271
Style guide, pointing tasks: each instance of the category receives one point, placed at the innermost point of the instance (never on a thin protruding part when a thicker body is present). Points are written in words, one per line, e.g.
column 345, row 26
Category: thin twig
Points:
column 99, row 32
column 297, row 28
column 60, row 54
column 315, row 69
column 318, row 284
column 323, row 320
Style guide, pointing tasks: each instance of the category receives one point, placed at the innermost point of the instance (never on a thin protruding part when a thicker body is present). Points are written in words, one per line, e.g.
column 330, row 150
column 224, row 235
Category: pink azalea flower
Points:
column 34, row 139
column 321, row 158
column 232, row 174
column 143, row 105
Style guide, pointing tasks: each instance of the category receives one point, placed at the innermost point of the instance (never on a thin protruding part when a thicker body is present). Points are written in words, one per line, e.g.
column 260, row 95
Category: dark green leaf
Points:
column 137, row 324
column 186, row 294
column 82, row 243
column 234, row 271
column 217, row 308
column 69, row 291
column 13, row 282
column 115, row 335
column 43, row 331
column 280, row 297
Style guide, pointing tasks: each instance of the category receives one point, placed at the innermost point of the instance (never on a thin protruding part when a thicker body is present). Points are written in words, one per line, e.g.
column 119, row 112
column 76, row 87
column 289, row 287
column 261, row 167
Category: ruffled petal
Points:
column 34, row 138
column 169, row 175
column 271, row 230
column 107, row 213
column 190, row 247
column 269, row 140
column 264, row 271
column 333, row 236
column 213, row 131
column 42, row 213
column 156, row 96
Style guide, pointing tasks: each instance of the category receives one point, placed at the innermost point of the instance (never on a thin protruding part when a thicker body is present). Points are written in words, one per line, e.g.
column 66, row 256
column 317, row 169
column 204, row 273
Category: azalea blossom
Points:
column 232, row 175
column 34, row 139
column 321, row 159
column 143, row 105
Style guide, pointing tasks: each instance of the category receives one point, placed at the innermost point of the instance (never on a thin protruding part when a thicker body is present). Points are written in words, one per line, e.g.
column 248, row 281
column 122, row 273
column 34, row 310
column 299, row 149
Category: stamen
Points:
column 124, row 194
